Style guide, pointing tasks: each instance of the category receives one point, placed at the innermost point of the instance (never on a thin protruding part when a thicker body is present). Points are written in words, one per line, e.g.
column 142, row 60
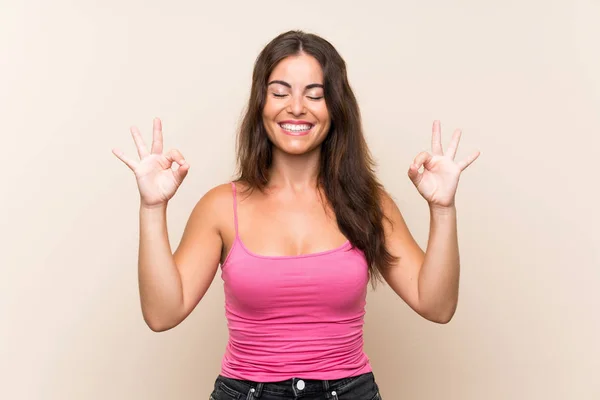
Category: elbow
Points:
column 440, row 316
column 442, row 319
column 163, row 317
column 158, row 327
column 159, row 324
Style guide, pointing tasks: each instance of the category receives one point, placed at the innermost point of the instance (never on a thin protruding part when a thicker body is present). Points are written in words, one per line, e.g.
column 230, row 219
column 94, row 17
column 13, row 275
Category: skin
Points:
column 290, row 217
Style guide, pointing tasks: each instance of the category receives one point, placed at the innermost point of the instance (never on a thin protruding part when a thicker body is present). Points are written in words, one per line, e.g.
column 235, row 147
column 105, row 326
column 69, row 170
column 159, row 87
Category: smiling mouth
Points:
column 296, row 129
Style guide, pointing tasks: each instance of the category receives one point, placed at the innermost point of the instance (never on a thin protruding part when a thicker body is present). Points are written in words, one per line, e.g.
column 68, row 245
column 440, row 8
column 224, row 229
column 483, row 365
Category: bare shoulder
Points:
column 203, row 234
column 215, row 205
column 216, row 195
column 391, row 212
column 199, row 252
column 403, row 274
column 398, row 236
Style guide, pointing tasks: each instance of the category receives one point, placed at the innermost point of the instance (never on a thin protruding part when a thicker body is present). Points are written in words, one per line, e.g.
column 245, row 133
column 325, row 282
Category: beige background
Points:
column 522, row 78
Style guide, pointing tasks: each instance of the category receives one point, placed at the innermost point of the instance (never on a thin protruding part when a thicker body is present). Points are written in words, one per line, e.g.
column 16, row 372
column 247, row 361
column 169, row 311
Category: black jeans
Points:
column 361, row 387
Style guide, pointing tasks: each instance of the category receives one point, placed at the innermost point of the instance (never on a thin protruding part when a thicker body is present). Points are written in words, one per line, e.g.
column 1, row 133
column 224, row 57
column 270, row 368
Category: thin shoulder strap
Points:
column 235, row 216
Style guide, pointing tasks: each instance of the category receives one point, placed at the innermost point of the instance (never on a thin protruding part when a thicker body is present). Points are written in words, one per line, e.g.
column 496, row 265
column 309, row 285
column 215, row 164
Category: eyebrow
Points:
column 311, row 86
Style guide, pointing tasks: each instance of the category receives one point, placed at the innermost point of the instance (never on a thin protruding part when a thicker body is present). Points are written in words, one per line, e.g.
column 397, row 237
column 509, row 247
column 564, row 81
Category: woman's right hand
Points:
column 157, row 180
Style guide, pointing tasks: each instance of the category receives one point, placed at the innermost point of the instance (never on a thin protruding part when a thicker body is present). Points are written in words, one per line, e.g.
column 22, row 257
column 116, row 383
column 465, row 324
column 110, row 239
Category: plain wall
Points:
column 521, row 78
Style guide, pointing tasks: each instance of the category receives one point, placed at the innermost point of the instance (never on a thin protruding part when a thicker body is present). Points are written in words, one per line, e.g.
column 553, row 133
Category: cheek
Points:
column 268, row 111
column 323, row 116
column 321, row 112
column 271, row 108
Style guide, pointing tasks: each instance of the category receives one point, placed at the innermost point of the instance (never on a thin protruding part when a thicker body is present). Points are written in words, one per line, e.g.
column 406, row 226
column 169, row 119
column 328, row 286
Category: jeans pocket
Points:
column 227, row 393
column 224, row 392
column 362, row 387
column 377, row 396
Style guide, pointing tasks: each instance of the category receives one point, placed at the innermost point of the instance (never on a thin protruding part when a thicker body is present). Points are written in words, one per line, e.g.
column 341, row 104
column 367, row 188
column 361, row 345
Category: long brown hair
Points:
column 346, row 173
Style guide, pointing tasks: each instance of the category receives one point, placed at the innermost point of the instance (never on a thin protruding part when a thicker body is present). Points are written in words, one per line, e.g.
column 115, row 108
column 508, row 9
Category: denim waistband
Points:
column 295, row 387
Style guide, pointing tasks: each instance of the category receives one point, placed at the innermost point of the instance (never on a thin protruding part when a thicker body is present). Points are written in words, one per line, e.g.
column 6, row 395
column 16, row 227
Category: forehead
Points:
column 298, row 69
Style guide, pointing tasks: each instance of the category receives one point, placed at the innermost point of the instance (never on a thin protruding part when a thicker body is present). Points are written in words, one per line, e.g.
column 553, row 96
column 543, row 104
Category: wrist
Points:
column 153, row 207
column 437, row 209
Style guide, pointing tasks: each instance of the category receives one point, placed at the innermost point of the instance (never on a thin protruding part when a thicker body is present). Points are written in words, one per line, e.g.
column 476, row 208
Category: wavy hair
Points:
column 346, row 171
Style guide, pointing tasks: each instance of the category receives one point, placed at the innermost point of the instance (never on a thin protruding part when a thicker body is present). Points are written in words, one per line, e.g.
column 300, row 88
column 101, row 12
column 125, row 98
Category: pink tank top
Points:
column 294, row 316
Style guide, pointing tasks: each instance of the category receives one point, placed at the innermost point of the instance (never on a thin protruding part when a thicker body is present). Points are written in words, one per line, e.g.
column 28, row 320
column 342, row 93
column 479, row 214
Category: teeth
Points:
column 295, row 127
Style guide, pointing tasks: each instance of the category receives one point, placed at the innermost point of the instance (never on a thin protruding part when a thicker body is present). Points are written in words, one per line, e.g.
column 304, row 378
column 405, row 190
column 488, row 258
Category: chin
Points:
column 295, row 149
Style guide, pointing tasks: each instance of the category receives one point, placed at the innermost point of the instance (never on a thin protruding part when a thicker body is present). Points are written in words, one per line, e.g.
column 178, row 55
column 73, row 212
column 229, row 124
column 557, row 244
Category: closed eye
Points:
column 280, row 96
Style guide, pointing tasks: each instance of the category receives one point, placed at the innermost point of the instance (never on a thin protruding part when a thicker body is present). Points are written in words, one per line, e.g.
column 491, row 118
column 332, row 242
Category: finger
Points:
column 126, row 160
column 414, row 174
column 157, row 137
column 183, row 166
column 181, row 172
column 413, row 171
column 436, row 139
column 175, row 156
column 469, row 160
column 451, row 152
column 139, row 142
column 422, row 158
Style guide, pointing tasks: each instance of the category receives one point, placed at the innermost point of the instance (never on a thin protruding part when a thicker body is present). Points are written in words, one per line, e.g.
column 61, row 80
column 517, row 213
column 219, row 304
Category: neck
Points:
column 295, row 172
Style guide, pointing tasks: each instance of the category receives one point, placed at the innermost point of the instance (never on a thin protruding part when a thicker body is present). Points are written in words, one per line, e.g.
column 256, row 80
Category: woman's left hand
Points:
column 438, row 181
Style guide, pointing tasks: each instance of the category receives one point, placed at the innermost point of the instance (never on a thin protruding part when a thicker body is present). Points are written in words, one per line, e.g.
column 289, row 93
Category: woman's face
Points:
column 295, row 114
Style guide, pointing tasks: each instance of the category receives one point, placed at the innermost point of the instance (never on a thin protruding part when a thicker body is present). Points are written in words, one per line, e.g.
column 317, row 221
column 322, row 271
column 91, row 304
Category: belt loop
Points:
column 254, row 393
column 326, row 389
column 329, row 394
column 259, row 389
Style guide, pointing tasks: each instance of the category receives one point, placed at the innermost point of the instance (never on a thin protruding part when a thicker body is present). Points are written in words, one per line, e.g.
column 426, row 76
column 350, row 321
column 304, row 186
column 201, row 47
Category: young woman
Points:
column 299, row 234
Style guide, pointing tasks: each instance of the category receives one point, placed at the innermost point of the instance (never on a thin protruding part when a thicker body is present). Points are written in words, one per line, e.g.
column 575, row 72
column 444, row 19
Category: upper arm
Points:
column 402, row 275
column 198, row 255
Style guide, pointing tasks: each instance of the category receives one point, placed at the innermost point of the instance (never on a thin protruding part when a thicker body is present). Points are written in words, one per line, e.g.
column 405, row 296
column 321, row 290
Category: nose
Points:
column 297, row 106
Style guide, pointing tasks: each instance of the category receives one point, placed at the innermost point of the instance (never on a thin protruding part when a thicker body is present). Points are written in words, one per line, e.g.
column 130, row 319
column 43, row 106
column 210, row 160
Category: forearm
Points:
column 439, row 275
column 159, row 280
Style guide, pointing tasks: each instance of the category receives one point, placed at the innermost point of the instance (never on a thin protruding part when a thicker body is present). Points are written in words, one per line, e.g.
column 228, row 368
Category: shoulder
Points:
column 215, row 205
column 392, row 219
column 217, row 198
column 387, row 203
column 216, row 195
